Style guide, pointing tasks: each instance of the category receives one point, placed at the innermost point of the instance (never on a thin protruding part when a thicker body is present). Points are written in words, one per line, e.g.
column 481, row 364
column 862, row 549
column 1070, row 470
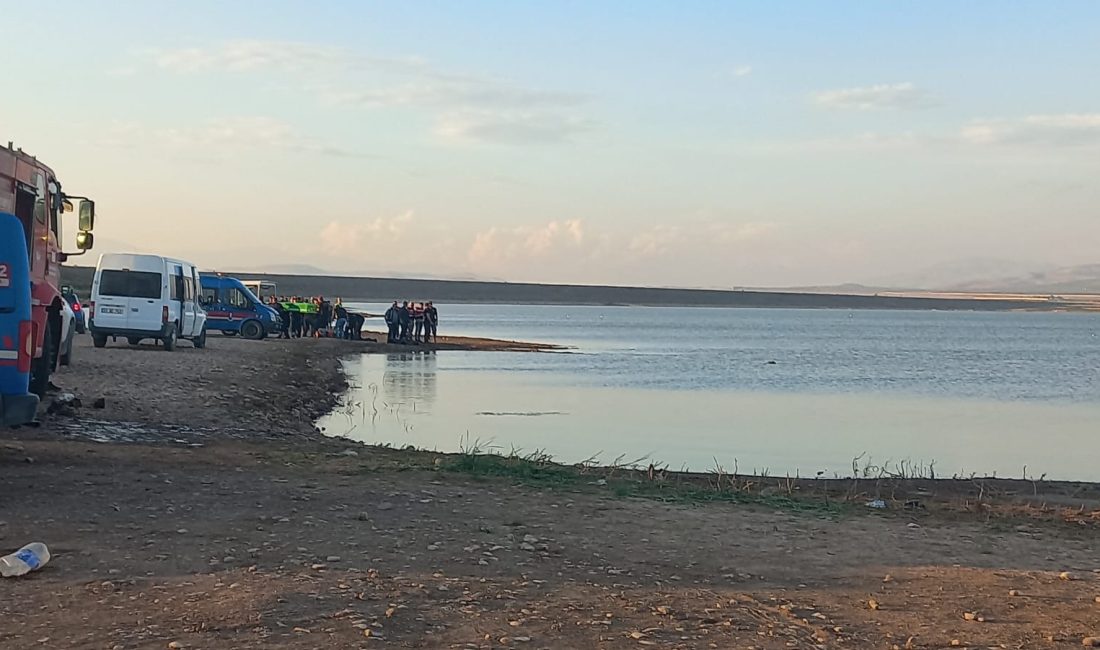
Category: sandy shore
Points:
column 214, row 516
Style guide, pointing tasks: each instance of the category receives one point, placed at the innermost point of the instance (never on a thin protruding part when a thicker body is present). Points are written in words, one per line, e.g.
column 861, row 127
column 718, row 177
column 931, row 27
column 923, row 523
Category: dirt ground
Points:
column 214, row 516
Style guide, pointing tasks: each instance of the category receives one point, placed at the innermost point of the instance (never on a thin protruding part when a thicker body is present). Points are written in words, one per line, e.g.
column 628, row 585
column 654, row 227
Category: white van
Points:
column 140, row 297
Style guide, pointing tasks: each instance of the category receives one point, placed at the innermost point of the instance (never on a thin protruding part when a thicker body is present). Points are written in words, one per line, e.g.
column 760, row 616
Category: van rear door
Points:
column 129, row 300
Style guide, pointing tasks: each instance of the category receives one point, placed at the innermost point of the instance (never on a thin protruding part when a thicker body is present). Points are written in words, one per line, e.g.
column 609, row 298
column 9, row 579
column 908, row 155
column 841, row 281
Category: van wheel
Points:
column 170, row 339
column 200, row 340
column 40, row 371
column 99, row 340
column 133, row 340
column 252, row 329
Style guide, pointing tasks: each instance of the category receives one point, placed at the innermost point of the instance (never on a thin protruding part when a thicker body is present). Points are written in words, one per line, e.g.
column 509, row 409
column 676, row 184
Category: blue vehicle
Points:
column 79, row 313
column 233, row 309
column 17, row 404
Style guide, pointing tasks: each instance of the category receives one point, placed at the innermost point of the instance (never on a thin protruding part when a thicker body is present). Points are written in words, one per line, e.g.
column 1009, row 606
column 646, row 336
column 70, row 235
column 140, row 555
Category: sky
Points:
column 701, row 144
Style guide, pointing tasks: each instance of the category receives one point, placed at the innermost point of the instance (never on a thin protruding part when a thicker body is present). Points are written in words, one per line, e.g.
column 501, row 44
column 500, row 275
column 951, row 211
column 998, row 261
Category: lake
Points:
column 782, row 391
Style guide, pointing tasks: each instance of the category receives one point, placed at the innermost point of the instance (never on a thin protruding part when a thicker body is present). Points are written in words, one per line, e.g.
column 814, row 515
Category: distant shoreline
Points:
column 355, row 289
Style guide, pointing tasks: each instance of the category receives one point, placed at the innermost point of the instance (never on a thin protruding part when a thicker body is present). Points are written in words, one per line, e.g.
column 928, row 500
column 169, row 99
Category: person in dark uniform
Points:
column 284, row 317
column 392, row 324
column 431, row 322
column 404, row 319
column 296, row 319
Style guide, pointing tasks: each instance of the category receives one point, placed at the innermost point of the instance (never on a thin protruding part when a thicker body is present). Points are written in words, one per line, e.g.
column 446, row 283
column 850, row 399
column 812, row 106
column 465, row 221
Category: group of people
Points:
column 316, row 317
column 412, row 322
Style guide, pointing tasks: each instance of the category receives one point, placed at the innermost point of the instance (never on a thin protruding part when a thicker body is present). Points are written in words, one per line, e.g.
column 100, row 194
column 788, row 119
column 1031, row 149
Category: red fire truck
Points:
column 31, row 193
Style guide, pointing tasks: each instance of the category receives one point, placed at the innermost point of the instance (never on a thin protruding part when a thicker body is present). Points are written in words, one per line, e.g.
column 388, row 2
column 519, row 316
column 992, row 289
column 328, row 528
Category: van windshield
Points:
column 130, row 284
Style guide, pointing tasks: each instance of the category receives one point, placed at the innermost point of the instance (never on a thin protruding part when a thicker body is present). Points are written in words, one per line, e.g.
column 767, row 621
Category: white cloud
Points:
column 342, row 238
column 464, row 106
column 742, row 71
column 220, row 136
column 502, row 245
column 246, row 55
column 1065, row 130
column 569, row 249
column 511, row 127
column 883, row 96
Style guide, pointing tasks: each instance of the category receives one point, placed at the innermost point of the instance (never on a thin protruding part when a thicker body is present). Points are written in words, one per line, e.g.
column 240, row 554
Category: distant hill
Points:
column 353, row 289
column 1084, row 278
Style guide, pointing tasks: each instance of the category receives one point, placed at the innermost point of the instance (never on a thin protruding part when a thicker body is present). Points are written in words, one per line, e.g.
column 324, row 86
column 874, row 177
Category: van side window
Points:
column 209, row 295
column 176, row 286
column 188, row 290
column 236, row 299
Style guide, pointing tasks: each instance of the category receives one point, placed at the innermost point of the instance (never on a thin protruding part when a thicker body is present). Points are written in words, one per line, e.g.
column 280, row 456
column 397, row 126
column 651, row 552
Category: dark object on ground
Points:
column 99, row 403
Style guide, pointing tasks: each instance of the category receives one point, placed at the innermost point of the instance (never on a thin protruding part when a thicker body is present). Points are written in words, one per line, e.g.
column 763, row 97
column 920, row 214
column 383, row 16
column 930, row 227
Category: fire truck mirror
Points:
column 84, row 240
column 87, row 216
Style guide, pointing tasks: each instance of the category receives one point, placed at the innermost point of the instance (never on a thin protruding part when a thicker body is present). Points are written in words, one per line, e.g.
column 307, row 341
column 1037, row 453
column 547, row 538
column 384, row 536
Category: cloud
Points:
column 342, row 238
column 742, row 71
column 245, row 55
column 570, row 249
column 883, row 96
column 1065, row 130
column 511, row 127
column 464, row 106
column 498, row 245
column 221, row 135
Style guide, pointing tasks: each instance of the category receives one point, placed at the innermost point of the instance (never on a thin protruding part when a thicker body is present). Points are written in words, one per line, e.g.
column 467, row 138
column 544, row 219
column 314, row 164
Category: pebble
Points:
column 971, row 616
column 229, row 558
column 1013, row 592
column 526, row 547
column 1097, row 599
column 181, row 531
column 176, row 645
column 1091, row 641
column 873, row 604
column 530, row 539
column 1065, row 575
column 332, row 558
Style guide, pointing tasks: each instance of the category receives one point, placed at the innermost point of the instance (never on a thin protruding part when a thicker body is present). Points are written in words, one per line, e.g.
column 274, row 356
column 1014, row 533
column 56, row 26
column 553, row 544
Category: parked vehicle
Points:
column 140, row 297
column 31, row 206
column 78, row 309
column 233, row 309
column 17, row 404
column 262, row 289
column 68, row 331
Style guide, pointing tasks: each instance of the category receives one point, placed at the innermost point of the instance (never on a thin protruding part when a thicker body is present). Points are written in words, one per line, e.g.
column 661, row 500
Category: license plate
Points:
column 5, row 276
column 111, row 310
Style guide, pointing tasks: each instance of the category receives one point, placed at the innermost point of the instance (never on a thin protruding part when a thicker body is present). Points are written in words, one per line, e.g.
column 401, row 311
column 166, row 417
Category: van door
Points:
column 238, row 304
column 147, row 300
column 128, row 300
column 194, row 289
column 178, row 296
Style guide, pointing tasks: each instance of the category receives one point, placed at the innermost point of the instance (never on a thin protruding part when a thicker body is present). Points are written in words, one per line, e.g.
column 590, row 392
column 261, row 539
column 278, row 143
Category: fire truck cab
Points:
column 32, row 204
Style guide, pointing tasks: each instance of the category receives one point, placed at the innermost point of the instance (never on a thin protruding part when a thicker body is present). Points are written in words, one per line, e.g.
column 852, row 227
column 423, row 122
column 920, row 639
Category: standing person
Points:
column 295, row 318
column 392, row 324
column 355, row 326
column 418, row 322
column 403, row 322
column 431, row 322
column 284, row 317
column 341, row 319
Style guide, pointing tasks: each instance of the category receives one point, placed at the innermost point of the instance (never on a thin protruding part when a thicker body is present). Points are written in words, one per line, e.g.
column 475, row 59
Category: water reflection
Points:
column 409, row 379
column 438, row 403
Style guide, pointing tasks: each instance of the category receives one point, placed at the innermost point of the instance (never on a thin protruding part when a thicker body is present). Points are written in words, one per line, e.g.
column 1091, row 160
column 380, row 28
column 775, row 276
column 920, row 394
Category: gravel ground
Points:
column 214, row 516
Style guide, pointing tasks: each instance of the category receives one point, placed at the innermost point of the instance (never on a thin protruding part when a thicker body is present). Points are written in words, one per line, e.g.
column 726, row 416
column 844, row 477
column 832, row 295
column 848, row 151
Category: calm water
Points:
column 785, row 390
